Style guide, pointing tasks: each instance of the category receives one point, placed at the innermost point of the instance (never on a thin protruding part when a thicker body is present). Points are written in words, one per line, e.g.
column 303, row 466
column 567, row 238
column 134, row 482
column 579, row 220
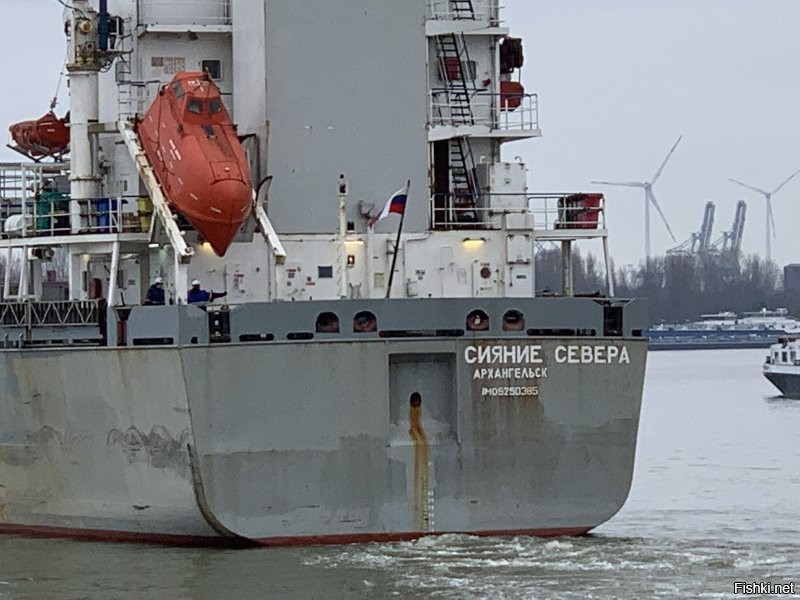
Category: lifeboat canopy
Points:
column 47, row 136
column 192, row 145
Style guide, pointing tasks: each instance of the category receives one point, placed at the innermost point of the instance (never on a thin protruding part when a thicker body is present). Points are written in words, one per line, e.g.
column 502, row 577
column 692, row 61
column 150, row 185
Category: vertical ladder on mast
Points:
column 125, row 99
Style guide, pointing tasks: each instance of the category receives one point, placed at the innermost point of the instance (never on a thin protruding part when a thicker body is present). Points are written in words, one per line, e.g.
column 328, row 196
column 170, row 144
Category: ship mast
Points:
column 83, row 69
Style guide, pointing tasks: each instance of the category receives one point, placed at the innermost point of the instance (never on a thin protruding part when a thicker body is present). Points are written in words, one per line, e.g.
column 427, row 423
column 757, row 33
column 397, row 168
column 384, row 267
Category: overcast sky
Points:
column 618, row 82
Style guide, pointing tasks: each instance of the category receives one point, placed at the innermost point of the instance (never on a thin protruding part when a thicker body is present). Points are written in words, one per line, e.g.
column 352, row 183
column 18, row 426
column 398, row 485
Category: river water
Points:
column 715, row 499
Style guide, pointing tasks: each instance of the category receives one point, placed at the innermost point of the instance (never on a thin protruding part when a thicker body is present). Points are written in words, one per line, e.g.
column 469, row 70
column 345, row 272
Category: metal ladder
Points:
column 126, row 105
column 460, row 88
column 462, row 9
column 128, row 91
column 454, row 63
column 464, row 181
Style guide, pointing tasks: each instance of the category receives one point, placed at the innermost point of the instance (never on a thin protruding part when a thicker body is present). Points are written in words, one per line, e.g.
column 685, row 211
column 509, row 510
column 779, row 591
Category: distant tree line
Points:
column 678, row 288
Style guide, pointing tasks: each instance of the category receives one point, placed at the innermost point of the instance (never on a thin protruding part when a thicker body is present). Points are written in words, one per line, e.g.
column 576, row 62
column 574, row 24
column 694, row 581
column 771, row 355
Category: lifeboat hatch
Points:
column 432, row 377
column 224, row 170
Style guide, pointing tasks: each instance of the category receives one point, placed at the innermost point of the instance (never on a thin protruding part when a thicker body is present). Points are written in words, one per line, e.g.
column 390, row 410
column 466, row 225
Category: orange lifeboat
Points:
column 192, row 145
column 45, row 136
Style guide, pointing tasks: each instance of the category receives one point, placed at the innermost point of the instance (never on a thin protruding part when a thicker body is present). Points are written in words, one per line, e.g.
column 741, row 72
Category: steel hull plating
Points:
column 786, row 379
column 318, row 442
column 96, row 440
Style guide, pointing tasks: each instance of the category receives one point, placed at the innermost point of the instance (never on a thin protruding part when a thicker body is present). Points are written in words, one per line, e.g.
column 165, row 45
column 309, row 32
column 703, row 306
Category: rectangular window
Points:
column 325, row 272
column 451, row 69
column 212, row 67
column 169, row 65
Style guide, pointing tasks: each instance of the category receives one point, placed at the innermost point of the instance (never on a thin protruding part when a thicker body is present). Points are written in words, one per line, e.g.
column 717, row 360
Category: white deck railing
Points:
column 571, row 211
column 483, row 10
column 582, row 214
column 493, row 110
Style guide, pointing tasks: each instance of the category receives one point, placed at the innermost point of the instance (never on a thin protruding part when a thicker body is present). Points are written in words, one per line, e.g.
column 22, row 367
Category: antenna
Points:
column 649, row 198
column 770, row 218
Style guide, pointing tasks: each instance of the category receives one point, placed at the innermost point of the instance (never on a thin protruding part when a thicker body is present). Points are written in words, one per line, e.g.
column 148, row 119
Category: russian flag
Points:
column 395, row 204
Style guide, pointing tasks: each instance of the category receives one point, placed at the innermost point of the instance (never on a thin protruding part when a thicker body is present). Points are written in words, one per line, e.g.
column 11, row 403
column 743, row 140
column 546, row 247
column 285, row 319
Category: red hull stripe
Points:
column 102, row 535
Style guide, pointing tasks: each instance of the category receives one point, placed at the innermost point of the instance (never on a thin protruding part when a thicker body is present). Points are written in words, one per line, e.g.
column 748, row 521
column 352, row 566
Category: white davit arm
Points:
column 182, row 249
column 268, row 231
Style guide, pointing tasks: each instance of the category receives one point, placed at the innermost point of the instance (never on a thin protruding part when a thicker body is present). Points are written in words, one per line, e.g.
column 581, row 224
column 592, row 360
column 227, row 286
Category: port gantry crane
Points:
column 727, row 246
column 699, row 242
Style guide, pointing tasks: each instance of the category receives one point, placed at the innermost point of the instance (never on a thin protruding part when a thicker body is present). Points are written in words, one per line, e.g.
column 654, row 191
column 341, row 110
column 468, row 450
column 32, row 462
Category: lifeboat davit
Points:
column 45, row 136
column 192, row 145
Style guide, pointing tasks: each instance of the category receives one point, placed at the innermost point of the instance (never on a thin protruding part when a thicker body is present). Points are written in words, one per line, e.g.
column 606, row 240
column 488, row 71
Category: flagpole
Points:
column 397, row 242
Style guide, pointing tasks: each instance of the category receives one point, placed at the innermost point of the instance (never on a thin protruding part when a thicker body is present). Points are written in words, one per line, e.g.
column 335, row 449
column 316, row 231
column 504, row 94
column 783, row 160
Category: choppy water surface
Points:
column 715, row 499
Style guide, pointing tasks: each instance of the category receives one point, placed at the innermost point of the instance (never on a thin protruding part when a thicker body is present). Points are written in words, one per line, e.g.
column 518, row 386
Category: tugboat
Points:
column 365, row 379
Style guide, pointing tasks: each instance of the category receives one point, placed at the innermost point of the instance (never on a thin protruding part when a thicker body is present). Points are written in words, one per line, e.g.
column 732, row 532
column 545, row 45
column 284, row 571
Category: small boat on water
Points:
column 782, row 366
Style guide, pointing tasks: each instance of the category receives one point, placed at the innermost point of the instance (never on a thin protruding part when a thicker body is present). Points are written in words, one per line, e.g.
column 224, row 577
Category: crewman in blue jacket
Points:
column 197, row 294
column 155, row 293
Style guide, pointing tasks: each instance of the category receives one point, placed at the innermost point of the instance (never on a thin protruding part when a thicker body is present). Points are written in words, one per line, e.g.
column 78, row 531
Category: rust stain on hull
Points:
column 421, row 510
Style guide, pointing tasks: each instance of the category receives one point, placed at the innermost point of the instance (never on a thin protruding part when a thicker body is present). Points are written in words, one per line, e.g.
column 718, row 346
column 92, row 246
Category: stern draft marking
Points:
column 423, row 497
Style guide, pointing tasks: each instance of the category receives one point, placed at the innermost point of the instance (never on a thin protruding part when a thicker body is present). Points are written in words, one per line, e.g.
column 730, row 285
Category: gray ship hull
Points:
column 94, row 443
column 326, row 440
column 320, row 454
column 787, row 383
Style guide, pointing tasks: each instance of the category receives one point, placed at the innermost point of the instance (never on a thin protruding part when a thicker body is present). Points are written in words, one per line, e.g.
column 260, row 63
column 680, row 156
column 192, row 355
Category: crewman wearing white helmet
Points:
column 155, row 293
column 198, row 294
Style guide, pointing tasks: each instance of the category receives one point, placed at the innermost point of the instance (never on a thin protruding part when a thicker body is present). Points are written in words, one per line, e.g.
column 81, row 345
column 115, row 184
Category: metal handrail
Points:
column 57, row 313
column 566, row 211
column 22, row 194
column 98, row 215
column 548, row 211
column 496, row 111
column 484, row 10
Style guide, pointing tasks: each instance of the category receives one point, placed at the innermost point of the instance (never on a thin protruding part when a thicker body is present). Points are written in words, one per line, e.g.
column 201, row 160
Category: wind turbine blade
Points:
column 771, row 216
column 651, row 197
column 787, row 181
column 622, row 183
column 663, row 164
column 749, row 187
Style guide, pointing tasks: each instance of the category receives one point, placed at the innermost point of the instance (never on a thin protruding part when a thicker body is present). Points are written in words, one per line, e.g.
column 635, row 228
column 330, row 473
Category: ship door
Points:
column 432, row 377
column 441, row 181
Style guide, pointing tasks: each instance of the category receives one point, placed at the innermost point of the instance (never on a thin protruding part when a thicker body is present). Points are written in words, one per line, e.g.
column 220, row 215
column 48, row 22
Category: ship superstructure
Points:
column 782, row 365
column 358, row 383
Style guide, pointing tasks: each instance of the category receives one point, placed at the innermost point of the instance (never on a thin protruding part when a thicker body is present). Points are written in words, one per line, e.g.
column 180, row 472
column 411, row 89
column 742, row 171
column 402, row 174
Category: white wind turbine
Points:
column 770, row 218
column 649, row 198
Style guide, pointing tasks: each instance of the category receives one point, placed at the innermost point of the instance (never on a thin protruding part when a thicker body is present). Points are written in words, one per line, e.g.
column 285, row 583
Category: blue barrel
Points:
column 103, row 218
